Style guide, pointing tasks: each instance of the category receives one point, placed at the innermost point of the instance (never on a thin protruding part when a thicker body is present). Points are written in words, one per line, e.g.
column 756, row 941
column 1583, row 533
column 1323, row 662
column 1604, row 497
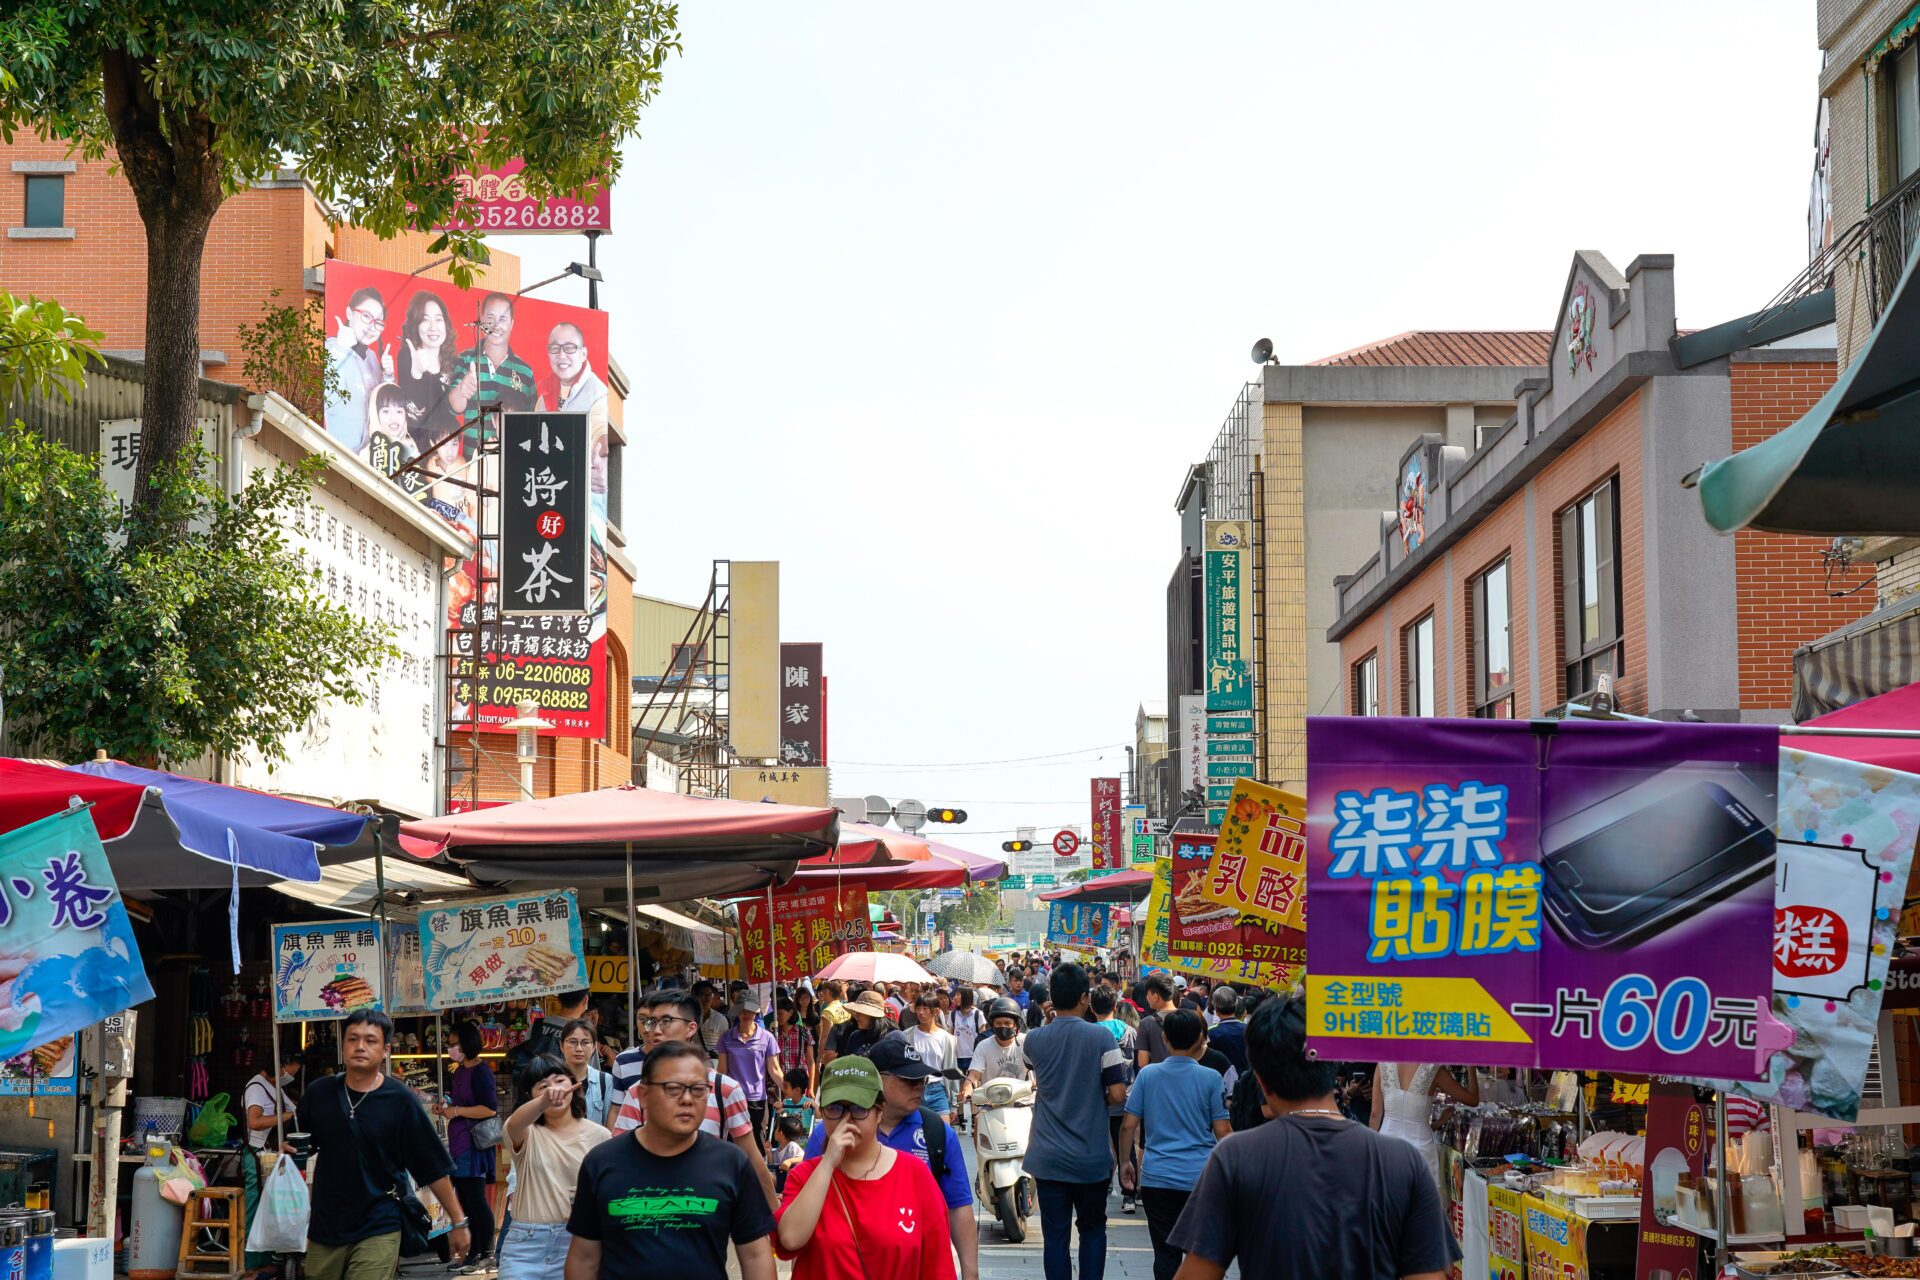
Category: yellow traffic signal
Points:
column 1015, row 846
column 946, row 815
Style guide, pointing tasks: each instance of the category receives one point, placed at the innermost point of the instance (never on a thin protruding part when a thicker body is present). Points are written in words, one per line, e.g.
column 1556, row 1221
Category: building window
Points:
column 1366, row 685
column 1416, row 644
column 1590, row 589
column 46, row 201
column 1901, row 72
column 1492, row 644
column 688, row 660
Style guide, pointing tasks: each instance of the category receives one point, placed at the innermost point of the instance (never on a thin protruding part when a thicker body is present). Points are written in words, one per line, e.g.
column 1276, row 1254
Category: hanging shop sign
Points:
column 1191, row 744
column 505, row 949
column 1845, row 837
column 803, row 706
column 325, row 969
column 1676, row 1144
column 1137, row 835
column 780, row 784
column 1201, row 927
column 497, row 199
column 1259, row 865
column 1106, row 824
column 419, row 364
column 806, row 930
column 609, row 973
column 1078, row 924
column 406, row 990
column 1506, row 1233
column 1595, row 896
column 1228, row 616
column 72, row 958
column 544, row 518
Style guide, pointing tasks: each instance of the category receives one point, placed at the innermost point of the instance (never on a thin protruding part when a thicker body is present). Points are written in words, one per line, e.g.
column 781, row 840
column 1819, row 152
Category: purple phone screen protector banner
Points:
column 1568, row 894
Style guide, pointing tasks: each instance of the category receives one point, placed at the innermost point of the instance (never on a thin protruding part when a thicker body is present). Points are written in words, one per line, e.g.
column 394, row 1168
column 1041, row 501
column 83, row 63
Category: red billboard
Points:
column 1109, row 850
column 497, row 199
column 417, row 363
column 809, row 927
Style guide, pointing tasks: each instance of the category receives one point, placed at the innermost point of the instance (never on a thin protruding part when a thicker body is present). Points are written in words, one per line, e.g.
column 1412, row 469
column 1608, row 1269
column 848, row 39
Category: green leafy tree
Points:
column 381, row 103
column 44, row 348
column 287, row 352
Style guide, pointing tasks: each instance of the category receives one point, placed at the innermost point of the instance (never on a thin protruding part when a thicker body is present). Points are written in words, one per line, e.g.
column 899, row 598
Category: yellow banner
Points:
column 1556, row 1241
column 1408, row 1009
column 1153, row 946
column 608, row 973
column 1259, row 864
column 1506, row 1234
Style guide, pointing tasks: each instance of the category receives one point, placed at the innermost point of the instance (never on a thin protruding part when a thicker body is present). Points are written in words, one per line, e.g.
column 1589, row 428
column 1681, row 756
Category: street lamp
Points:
column 526, row 741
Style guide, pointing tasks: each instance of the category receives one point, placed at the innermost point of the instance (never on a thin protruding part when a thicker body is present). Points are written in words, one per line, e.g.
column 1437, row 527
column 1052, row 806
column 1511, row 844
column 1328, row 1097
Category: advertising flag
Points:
column 1259, row 865
column 325, row 969
column 803, row 708
column 807, row 929
column 1228, row 616
column 1078, row 924
column 1576, row 894
column 1107, row 855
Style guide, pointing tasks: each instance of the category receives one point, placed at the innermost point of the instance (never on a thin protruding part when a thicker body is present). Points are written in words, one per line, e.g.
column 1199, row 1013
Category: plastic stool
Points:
column 214, row 1209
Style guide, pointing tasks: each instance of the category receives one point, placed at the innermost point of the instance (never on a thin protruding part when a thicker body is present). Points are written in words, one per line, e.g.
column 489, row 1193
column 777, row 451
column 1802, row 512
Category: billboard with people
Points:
column 418, row 364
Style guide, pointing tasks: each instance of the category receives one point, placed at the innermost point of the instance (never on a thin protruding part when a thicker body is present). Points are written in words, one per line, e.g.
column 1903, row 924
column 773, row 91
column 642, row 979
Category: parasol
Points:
column 875, row 966
column 969, row 967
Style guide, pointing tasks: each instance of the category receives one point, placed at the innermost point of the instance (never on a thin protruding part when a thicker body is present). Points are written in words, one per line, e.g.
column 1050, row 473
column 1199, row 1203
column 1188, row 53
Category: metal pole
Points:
column 1721, row 1212
column 1814, row 730
column 593, row 260
column 633, row 958
column 279, row 1128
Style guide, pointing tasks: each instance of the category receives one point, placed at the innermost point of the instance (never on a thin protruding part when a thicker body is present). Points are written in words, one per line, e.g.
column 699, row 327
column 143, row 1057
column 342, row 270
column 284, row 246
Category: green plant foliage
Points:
column 287, row 352
column 44, row 348
column 160, row 649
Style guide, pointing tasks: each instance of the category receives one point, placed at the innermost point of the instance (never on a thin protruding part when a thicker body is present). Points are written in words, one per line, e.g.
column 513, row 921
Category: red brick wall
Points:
column 1784, row 599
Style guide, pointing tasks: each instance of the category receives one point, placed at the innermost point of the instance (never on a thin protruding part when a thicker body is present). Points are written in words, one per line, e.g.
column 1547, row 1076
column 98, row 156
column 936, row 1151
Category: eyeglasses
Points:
column 578, row 1042
column 651, row 1024
column 370, row 319
column 564, row 349
column 674, row 1090
column 838, row 1111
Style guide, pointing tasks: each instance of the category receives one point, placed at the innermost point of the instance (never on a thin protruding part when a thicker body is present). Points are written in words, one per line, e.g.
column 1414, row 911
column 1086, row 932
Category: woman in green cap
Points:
column 861, row 1211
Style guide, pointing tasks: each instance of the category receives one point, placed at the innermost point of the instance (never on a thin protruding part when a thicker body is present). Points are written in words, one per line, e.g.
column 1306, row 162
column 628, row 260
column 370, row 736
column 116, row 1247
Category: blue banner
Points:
column 69, row 957
column 325, row 969
column 506, row 949
column 1078, row 924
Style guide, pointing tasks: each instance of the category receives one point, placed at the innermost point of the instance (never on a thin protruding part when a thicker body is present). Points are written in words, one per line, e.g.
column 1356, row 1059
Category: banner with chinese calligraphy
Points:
column 1107, row 855
column 1200, row 928
column 808, row 928
column 1676, row 1144
column 71, row 959
column 545, row 551
column 1228, row 616
column 1591, row 895
column 506, row 949
column 1506, row 1233
column 325, row 969
column 1078, row 924
column 803, row 705
column 1153, row 937
column 1846, row 839
column 1259, row 866
column 1556, row 1240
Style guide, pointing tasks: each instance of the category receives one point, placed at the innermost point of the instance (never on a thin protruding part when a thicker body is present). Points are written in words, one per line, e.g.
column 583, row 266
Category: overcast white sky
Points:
column 935, row 304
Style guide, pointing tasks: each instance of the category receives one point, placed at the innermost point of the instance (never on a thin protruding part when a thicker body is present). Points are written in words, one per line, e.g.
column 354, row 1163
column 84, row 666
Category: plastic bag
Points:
column 180, row 1175
column 209, row 1128
column 280, row 1219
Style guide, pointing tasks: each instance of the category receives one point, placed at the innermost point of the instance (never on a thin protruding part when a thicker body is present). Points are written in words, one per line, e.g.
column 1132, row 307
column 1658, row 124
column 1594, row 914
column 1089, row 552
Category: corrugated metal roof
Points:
column 1454, row 347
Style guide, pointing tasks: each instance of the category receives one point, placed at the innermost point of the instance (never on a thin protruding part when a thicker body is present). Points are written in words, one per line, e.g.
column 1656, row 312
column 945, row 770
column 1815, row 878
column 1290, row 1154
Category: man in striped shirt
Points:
column 675, row 1015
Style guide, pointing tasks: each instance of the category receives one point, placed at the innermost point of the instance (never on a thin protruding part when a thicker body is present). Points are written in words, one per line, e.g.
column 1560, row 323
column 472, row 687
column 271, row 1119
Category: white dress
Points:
column 1407, row 1110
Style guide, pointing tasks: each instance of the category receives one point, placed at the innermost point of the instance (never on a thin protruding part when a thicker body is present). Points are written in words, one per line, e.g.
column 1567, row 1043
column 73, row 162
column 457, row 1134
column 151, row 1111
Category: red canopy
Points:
column 1895, row 709
column 30, row 792
column 657, row 824
column 865, row 846
column 1120, row 886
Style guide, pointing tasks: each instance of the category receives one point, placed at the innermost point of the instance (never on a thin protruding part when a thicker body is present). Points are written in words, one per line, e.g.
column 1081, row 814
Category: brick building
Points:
column 1563, row 548
column 74, row 233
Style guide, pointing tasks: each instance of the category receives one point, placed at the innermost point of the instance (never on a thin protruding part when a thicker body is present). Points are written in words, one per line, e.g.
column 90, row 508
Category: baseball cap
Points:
column 895, row 1055
column 851, row 1079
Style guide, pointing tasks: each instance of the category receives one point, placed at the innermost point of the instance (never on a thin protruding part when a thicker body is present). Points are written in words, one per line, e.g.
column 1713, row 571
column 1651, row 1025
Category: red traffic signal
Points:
column 1015, row 846
column 946, row 815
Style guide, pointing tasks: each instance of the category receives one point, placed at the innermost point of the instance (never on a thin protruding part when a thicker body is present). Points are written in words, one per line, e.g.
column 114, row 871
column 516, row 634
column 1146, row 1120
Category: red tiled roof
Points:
column 1452, row 347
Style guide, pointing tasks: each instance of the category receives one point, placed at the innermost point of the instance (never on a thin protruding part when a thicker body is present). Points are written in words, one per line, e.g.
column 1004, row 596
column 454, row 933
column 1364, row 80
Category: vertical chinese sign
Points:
column 806, row 930
column 1229, row 617
column 803, row 708
column 1594, row 895
column 1676, row 1144
column 1107, row 855
column 506, row 949
column 544, row 553
column 325, row 969
column 61, row 915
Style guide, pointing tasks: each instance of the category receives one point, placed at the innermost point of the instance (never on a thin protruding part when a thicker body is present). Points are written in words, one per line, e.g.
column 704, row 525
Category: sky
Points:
column 935, row 305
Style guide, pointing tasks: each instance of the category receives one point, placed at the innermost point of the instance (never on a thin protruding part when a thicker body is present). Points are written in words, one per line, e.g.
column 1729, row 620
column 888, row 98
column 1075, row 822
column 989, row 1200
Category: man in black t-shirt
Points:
column 1310, row 1193
column 665, row 1199
column 368, row 1129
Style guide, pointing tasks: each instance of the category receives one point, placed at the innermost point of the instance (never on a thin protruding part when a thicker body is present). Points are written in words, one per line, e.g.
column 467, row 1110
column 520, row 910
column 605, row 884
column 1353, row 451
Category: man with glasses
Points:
column 667, row 1198
column 907, row 1127
column 672, row 1017
column 354, row 352
column 574, row 387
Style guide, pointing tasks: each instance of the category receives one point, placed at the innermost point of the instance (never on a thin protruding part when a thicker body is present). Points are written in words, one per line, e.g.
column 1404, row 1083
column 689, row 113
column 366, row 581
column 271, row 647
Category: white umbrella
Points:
column 876, row 966
column 970, row 968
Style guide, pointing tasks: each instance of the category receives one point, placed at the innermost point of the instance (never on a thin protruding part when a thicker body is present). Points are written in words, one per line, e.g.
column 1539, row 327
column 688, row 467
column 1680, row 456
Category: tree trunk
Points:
column 169, row 160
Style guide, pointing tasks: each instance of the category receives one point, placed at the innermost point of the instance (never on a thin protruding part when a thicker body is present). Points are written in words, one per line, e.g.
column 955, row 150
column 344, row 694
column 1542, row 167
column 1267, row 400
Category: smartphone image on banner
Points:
column 1655, row 866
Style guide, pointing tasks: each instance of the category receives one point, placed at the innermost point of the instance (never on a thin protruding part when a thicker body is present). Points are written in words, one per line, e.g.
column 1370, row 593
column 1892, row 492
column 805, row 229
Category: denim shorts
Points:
column 533, row 1250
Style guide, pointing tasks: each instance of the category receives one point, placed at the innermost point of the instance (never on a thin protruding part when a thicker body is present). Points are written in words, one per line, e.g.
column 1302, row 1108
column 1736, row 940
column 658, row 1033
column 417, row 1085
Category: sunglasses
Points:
column 838, row 1111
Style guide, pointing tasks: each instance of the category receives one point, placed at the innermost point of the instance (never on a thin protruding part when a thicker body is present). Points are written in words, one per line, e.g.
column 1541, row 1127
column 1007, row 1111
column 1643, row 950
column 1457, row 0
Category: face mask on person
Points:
column 287, row 1078
column 1005, row 1034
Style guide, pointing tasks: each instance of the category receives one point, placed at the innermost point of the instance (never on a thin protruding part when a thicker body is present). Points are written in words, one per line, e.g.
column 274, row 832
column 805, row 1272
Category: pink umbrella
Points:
column 876, row 966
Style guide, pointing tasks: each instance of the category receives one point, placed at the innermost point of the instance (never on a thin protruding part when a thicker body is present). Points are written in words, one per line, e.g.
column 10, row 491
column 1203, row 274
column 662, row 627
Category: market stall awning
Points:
column 1867, row 657
column 352, row 887
column 862, row 845
column 1851, row 465
column 1121, row 886
column 189, row 833
column 1899, row 709
column 944, row 866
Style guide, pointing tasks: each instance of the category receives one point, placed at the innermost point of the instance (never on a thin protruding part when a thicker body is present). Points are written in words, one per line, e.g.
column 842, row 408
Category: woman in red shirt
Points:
column 862, row 1211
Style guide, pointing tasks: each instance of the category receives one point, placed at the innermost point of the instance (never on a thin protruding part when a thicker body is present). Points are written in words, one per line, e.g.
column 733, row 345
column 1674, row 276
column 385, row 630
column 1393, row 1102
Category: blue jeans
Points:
column 935, row 1099
column 1060, row 1204
column 533, row 1250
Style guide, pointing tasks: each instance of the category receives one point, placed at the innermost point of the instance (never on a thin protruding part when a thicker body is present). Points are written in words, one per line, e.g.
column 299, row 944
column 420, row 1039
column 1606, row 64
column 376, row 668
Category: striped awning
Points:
column 1865, row 658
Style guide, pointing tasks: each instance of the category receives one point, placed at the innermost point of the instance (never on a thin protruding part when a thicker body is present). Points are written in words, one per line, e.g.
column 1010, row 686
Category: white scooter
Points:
column 1002, row 1122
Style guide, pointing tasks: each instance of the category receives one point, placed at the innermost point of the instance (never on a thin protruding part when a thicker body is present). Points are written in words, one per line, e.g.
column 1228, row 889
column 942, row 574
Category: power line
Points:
column 965, row 764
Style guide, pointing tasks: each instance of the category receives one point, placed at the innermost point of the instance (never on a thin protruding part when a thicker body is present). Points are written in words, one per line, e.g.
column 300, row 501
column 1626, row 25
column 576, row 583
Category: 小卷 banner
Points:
column 325, row 969
column 1561, row 894
column 70, row 957
column 809, row 927
column 506, row 949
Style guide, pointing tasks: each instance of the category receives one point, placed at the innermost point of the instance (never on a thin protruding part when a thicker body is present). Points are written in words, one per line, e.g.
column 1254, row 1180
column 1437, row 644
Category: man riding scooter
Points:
column 1000, row 1084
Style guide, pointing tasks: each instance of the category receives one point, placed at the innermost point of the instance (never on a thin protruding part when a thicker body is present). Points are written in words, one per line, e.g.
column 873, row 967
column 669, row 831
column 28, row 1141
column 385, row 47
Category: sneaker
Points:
column 1127, row 1205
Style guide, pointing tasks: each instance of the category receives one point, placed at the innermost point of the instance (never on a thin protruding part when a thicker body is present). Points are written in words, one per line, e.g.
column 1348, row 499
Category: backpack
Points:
column 935, row 1128
column 1246, row 1109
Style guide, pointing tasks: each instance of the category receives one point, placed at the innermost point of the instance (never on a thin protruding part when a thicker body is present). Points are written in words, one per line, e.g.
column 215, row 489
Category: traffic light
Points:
column 946, row 815
column 1015, row 846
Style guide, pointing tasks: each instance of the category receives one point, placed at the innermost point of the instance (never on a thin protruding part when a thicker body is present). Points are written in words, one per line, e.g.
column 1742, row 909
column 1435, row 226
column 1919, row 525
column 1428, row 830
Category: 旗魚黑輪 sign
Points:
column 325, row 969
column 1597, row 895
column 506, row 949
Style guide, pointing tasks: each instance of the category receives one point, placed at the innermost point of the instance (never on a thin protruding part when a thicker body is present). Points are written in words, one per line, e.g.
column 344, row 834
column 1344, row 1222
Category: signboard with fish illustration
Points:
column 325, row 969
column 503, row 949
